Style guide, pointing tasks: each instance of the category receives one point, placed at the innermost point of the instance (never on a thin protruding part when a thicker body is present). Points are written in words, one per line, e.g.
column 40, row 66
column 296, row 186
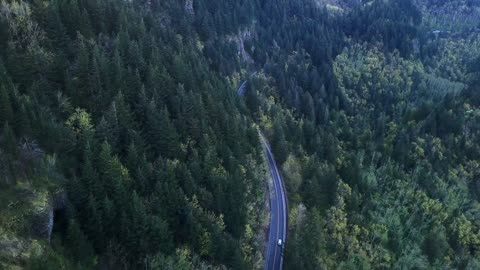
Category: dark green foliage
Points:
column 391, row 22
column 82, row 250
column 376, row 133
column 162, row 134
column 4, row 35
column 6, row 111
column 436, row 244
column 9, row 143
column 124, row 102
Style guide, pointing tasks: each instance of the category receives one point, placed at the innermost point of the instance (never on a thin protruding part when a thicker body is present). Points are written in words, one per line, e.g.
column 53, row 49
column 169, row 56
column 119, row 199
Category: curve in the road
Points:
column 278, row 205
column 278, row 217
column 242, row 88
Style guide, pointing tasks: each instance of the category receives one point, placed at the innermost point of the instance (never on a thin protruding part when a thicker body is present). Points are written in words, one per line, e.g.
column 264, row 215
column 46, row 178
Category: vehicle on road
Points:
column 280, row 242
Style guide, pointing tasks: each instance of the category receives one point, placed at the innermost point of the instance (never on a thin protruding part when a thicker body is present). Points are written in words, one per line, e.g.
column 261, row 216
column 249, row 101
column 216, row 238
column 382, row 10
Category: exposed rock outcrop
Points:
column 339, row 5
column 43, row 218
column 189, row 7
column 240, row 39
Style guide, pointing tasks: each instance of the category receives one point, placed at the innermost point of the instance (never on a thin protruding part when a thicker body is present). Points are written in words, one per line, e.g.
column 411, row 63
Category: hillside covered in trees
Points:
column 123, row 144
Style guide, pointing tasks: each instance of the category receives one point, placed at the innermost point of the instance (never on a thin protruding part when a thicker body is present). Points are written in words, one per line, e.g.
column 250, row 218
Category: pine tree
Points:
column 110, row 126
column 55, row 28
column 94, row 80
column 159, row 235
column 114, row 176
column 132, row 162
column 70, row 15
column 133, row 85
column 234, row 207
column 116, row 73
column 22, row 121
column 9, row 142
column 78, row 194
column 79, row 246
column 93, row 223
column 81, row 77
column 436, row 244
column 4, row 35
column 96, row 14
column 125, row 116
column 84, row 25
column 90, row 176
column 109, row 217
column 6, row 111
column 279, row 143
column 137, row 243
column 162, row 135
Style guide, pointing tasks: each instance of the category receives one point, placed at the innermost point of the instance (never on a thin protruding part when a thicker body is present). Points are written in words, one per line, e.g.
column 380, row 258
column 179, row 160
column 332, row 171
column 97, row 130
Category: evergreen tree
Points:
column 82, row 250
column 6, row 111
column 279, row 143
column 9, row 142
column 373, row 116
column 162, row 135
column 93, row 223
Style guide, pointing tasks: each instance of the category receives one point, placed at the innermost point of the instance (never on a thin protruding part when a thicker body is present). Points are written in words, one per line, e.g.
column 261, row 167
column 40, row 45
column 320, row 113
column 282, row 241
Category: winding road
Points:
column 278, row 205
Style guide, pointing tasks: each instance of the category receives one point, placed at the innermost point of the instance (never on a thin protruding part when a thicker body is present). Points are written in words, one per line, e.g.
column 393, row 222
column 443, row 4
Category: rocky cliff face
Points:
column 189, row 7
column 339, row 5
column 45, row 218
column 26, row 219
column 240, row 39
column 27, row 206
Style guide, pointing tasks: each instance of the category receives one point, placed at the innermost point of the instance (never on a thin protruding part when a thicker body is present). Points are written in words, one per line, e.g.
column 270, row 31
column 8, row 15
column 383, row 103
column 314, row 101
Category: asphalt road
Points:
column 278, row 206
column 241, row 90
column 243, row 87
column 278, row 214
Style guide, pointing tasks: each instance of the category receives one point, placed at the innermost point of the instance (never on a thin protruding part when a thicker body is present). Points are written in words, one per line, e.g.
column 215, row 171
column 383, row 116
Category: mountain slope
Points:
column 371, row 115
column 153, row 161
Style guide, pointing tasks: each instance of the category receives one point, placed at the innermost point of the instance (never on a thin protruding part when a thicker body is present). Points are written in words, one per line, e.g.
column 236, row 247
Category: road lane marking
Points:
column 278, row 178
column 275, row 179
column 276, row 182
column 272, row 173
column 283, row 203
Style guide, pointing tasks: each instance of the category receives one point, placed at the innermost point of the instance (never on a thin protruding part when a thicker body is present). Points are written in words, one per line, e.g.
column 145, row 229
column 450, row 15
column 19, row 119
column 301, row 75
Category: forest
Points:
column 123, row 144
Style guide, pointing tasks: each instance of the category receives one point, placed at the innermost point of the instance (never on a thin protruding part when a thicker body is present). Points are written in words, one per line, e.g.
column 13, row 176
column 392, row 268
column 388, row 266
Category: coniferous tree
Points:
column 279, row 143
column 93, row 223
column 9, row 141
column 82, row 250
column 389, row 110
column 6, row 111
column 162, row 135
